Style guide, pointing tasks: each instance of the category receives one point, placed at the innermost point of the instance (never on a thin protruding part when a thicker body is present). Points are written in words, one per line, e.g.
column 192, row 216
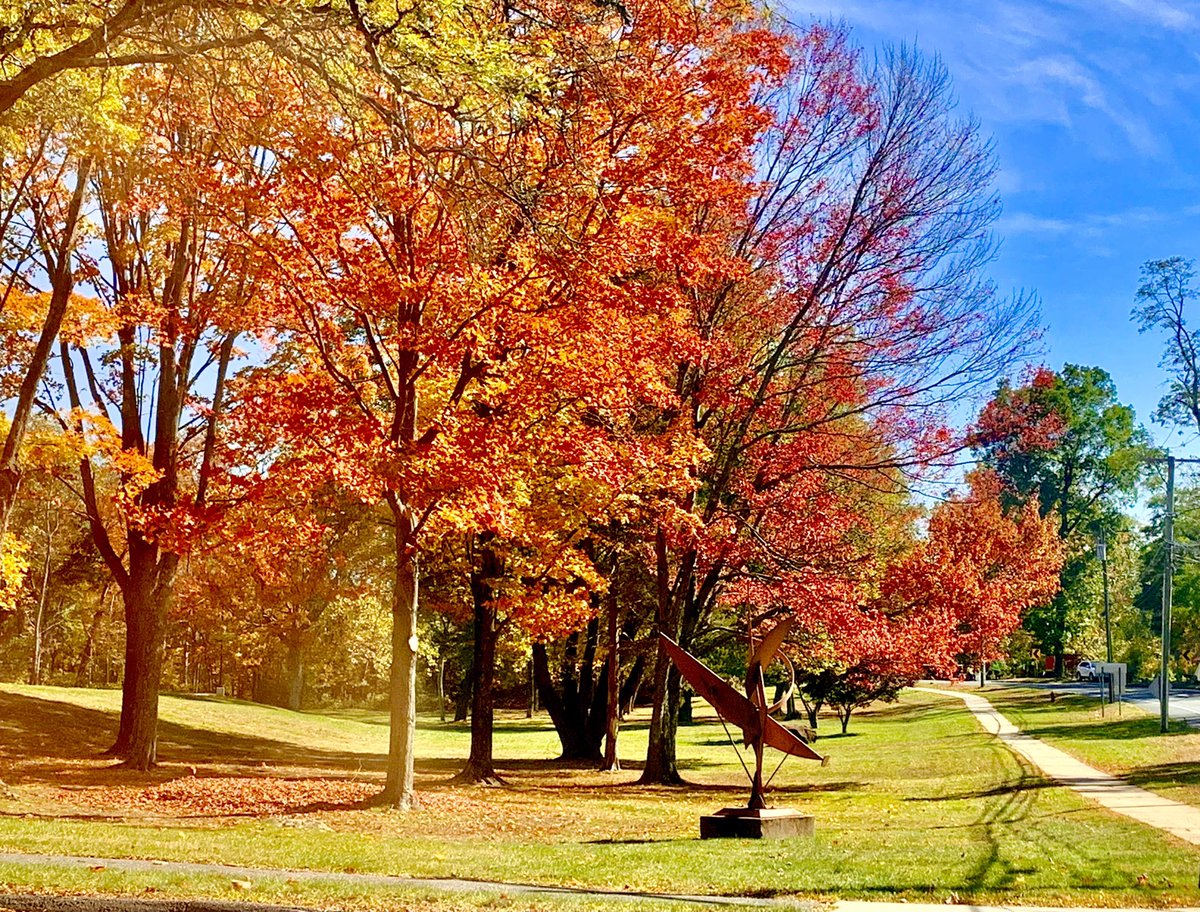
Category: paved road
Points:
column 1184, row 703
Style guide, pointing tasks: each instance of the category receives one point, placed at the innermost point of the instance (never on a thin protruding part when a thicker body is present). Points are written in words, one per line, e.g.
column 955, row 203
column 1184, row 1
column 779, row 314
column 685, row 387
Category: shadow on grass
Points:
column 734, row 786
column 1106, row 730
column 33, row 729
column 1165, row 774
column 52, row 742
column 1009, row 804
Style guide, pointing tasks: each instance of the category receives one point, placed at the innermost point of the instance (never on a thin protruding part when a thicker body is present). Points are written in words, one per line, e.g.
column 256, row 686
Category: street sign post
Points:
column 1113, row 677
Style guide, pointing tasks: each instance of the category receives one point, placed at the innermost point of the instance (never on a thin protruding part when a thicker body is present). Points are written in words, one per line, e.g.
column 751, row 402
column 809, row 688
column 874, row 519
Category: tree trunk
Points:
column 844, row 716
column 633, row 683
column 442, row 689
column 462, row 699
column 83, row 669
column 480, row 766
column 39, row 621
column 612, row 709
column 813, row 710
column 660, row 768
column 402, row 688
column 295, row 673
column 532, row 693
column 145, row 620
column 35, row 664
column 578, row 710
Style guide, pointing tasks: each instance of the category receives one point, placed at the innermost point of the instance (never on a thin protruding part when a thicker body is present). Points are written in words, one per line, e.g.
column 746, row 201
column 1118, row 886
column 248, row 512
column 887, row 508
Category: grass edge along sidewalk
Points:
column 240, row 877
column 1123, row 740
column 1174, row 817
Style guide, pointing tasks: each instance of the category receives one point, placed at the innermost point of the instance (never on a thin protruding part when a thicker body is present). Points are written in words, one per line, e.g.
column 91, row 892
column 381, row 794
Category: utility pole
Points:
column 1102, row 553
column 1164, row 687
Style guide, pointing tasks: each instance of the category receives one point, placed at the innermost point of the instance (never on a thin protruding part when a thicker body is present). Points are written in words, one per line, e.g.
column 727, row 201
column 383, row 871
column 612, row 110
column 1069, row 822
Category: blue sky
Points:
column 1094, row 107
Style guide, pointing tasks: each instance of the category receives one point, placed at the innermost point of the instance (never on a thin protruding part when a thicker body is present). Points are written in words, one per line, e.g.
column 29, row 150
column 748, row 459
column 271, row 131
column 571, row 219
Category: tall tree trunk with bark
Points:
column 612, row 709
column 661, row 768
column 402, row 687
column 294, row 669
column 83, row 669
column 39, row 620
column 480, row 766
column 146, row 596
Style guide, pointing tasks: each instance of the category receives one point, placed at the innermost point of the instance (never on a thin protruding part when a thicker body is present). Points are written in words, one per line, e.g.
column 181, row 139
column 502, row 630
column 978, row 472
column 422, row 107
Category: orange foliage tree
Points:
column 144, row 364
column 453, row 296
column 830, row 361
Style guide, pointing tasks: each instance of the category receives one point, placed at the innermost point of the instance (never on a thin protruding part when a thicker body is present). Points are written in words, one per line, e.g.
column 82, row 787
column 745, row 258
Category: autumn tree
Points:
column 487, row 271
column 980, row 566
column 832, row 360
column 1065, row 441
column 49, row 625
column 144, row 366
column 272, row 570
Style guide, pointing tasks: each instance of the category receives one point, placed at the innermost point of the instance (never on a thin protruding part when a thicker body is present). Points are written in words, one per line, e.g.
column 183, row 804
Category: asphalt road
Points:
column 1184, row 703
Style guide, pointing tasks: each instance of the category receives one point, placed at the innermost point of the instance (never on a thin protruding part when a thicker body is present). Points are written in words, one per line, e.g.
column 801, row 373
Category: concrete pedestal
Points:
column 764, row 823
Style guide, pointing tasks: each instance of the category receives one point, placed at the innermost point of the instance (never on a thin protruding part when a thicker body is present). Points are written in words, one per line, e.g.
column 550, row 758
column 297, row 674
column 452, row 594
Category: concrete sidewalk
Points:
column 1180, row 820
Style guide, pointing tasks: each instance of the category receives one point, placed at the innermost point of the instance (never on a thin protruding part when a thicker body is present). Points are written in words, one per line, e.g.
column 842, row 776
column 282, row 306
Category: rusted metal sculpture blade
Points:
column 767, row 649
column 784, row 739
column 733, row 706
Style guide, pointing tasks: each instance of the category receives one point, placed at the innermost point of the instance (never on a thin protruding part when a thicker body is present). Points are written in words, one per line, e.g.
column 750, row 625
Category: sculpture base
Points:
column 754, row 823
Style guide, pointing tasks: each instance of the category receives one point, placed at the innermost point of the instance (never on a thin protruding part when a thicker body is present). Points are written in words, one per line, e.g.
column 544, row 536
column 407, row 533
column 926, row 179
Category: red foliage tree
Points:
column 831, row 359
column 979, row 567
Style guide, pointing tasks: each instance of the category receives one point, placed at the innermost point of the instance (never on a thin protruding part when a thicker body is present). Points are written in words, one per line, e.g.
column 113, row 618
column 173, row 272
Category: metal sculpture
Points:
column 751, row 713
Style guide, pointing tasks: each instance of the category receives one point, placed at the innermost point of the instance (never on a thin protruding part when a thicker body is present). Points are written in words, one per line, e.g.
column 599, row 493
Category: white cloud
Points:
column 1093, row 225
column 1160, row 13
column 1091, row 67
column 1027, row 223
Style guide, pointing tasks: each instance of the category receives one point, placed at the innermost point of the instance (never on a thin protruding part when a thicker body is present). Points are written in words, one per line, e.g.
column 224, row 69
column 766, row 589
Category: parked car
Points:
column 1087, row 670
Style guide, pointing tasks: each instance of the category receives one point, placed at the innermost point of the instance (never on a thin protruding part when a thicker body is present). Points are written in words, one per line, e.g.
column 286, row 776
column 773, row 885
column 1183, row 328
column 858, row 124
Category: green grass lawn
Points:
column 1127, row 743
column 916, row 804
